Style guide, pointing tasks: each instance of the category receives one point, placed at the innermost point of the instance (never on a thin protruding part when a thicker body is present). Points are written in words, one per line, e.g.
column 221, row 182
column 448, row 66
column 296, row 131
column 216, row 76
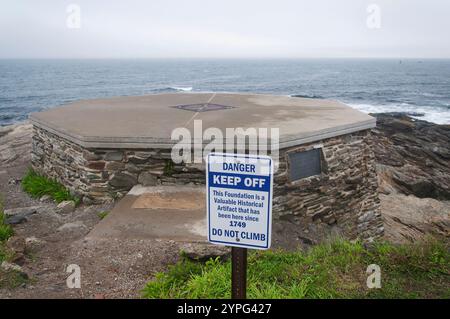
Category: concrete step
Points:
column 162, row 212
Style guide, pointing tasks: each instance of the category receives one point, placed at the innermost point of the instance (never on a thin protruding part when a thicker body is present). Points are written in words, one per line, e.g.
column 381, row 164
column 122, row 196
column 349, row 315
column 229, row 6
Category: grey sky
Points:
column 226, row 28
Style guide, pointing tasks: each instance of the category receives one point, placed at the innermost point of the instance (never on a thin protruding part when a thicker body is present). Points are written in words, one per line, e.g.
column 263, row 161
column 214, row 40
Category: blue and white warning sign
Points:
column 239, row 200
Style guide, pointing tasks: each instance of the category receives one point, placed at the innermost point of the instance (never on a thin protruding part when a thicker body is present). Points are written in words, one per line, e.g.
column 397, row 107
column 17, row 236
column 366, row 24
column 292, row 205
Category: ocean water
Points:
column 418, row 87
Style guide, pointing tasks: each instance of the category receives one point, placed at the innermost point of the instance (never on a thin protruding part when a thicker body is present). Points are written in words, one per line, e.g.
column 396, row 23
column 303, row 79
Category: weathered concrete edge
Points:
column 138, row 189
column 147, row 143
column 327, row 133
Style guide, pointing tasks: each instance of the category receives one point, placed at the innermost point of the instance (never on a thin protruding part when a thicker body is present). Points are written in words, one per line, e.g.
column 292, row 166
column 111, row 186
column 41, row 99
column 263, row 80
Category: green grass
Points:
column 331, row 270
column 37, row 186
column 6, row 231
column 103, row 214
column 168, row 167
column 8, row 279
column 12, row 279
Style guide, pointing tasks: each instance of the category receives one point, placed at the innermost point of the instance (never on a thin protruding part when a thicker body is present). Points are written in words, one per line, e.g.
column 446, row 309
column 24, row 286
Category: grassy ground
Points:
column 332, row 270
column 6, row 231
column 8, row 279
column 38, row 186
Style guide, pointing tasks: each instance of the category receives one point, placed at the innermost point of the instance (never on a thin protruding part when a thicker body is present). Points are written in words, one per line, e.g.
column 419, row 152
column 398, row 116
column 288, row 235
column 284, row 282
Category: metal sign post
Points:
column 238, row 273
column 239, row 191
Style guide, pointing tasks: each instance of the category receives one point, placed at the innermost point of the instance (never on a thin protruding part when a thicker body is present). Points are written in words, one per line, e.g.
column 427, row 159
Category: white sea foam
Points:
column 438, row 115
column 183, row 89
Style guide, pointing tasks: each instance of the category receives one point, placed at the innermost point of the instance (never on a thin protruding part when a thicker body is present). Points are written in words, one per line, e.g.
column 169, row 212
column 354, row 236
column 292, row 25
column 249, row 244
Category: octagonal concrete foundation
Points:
column 101, row 148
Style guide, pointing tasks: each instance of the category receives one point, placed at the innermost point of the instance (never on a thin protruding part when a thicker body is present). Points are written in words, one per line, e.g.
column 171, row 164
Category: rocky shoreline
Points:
column 413, row 156
column 413, row 167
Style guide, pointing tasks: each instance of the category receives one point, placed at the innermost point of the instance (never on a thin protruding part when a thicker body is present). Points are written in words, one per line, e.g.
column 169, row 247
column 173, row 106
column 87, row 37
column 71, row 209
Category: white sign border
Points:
column 269, row 212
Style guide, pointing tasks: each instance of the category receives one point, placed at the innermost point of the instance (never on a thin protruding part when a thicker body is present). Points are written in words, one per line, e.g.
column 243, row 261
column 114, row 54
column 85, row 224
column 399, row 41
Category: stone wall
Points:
column 100, row 175
column 343, row 199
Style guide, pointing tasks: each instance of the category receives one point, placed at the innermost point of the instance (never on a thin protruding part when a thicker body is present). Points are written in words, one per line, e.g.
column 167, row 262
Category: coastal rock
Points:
column 15, row 145
column 15, row 220
column 409, row 218
column 413, row 156
column 4, row 130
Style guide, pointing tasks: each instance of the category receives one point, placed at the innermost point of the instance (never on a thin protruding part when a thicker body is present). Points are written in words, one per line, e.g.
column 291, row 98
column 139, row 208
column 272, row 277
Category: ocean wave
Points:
column 307, row 96
column 433, row 95
column 6, row 100
column 170, row 89
column 438, row 115
column 181, row 89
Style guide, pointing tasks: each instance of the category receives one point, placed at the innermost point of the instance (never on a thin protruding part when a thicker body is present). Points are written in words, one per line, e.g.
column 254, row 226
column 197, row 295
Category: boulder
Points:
column 66, row 207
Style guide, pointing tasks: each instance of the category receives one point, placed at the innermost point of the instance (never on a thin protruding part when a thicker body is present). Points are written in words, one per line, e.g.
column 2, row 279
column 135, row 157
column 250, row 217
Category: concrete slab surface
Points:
column 178, row 214
column 148, row 121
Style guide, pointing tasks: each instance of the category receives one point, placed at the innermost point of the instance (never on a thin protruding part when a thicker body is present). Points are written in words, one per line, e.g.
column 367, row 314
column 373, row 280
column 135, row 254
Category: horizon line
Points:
column 226, row 58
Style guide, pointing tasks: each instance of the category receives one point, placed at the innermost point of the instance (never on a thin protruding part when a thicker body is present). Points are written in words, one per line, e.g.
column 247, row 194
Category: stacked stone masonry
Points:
column 344, row 196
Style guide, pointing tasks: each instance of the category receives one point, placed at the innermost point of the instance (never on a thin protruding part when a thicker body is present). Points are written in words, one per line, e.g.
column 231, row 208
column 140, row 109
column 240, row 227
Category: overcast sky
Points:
column 224, row 28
